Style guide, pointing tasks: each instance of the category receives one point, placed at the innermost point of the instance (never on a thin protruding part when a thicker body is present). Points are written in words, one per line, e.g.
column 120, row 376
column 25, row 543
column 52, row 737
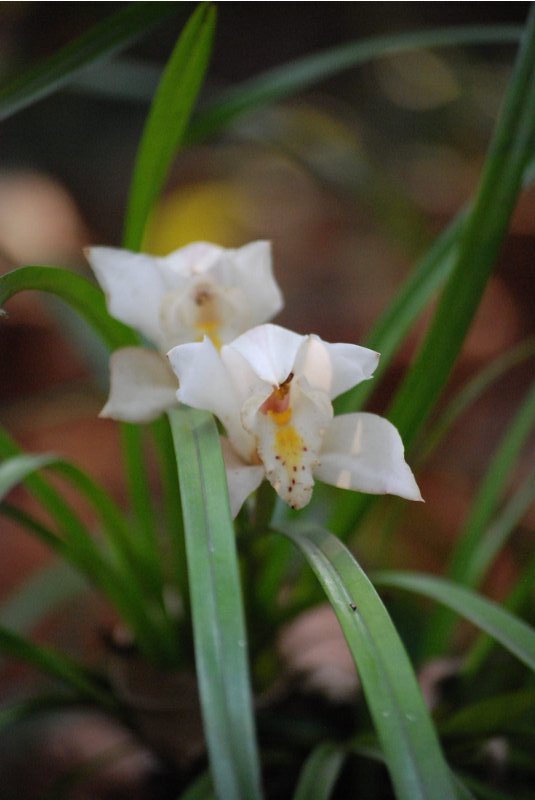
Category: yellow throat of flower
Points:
column 208, row 322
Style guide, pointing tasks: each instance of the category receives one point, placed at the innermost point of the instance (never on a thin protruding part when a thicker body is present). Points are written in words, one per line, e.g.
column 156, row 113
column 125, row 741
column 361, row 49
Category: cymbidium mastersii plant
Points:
column 253, row 469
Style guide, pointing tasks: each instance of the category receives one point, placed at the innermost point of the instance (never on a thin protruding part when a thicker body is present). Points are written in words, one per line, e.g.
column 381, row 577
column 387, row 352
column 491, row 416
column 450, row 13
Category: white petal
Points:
column 270, row 350
column 253, row 263
column 142, row 385
column 133, row 286
column 206, row 383
column 334, row 368
column 190, row 261
column 365, row 453
column 288, row 442
column 242, row 478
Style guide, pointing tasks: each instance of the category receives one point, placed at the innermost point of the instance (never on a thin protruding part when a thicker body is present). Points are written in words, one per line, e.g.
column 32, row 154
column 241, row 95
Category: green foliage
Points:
column 110, row 36
column 189, row 543
column 217, row 607
column 167, row 119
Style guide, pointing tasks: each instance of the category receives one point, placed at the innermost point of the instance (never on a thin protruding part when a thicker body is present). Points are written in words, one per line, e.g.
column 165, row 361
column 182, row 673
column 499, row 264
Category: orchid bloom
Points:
column 272, row 389
column 199, row 290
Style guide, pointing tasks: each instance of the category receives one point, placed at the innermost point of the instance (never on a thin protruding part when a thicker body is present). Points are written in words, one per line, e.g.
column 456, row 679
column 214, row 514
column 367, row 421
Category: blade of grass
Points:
column 217, row 607
column 301, row 74
column 15, row 469
column 105, row 38
column 497, row 534
column 78, row 546
column 174, row 524
column 471, row 392
column 83, row 296
column 462, row 568
column 482, row 235
column 409, row 741
column 201, row 789
column 168, row 117
column 512, row 633
column 477, row 242
column 516, row 600
column 56, row 665
column 491, row 716
column 320, row 772
column 40, row 594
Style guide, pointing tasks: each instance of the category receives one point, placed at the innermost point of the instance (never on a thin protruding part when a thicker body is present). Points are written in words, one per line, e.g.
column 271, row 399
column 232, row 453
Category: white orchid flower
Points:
column 200, row 290
column 272, row 390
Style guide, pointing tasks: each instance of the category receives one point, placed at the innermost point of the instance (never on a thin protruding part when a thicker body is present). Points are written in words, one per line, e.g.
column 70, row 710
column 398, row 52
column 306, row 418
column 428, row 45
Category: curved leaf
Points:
column 83, row 296
column 303, row 73
column 167, row 120
column 466, row 565
column 409, row 741
column 110, row 35
column 55, row 664
column 320, row 772
column 514, row 634
column 14, row 470
column 216, row 606
column 482, row 235
column 39, row 594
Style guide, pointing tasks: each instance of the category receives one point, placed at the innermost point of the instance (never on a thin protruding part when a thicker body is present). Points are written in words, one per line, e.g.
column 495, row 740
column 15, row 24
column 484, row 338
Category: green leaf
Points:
column 320, row 772
column 109, row 36
column 471, row 392
column 168, row 117
column 514, row 634
column 14, row 470
column 303, row 73
column 39, row 594
column 482, row 235
column 217, row 607
column 469, row 558
column 83, row 296
column 76, row 544
column 491, row 716
column 491, row 490
column 55, row 664
column 409, row 741
column 200, row 789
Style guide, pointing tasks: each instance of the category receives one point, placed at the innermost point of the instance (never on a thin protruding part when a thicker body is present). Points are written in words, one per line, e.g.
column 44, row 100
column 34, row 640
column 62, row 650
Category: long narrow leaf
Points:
column 320, row 772
column 217, row 608
column 109, row 36
column 410, row 744
column 167, row 120
column 514, row 634
column 303, row 73
column 40, row 594
column 55, row 664
column 83, row 296
column 482, row 236
column 471, row 392
column 75, row 543
column 15, row 469
column 465, row 563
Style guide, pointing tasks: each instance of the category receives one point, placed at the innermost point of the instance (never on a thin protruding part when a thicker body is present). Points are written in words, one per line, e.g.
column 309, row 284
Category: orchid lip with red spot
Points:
column 199, row 290
column 272, row 389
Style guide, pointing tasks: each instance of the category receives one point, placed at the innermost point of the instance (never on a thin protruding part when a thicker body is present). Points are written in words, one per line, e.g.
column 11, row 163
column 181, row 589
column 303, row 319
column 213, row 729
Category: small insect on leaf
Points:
column 352, row 606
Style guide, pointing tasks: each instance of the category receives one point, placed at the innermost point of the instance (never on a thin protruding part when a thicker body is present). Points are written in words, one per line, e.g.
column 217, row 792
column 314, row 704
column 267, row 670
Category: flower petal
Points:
column 253, row 263
column 205, row 382
column 334, row 368
column 288, row 441
column 133, row 286
column 270, row 351
column 142, row 385
column 364, row 452
column 242, row 478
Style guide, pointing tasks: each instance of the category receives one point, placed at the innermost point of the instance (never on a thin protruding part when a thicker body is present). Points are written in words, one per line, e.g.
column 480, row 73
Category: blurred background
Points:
column 351, row 181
